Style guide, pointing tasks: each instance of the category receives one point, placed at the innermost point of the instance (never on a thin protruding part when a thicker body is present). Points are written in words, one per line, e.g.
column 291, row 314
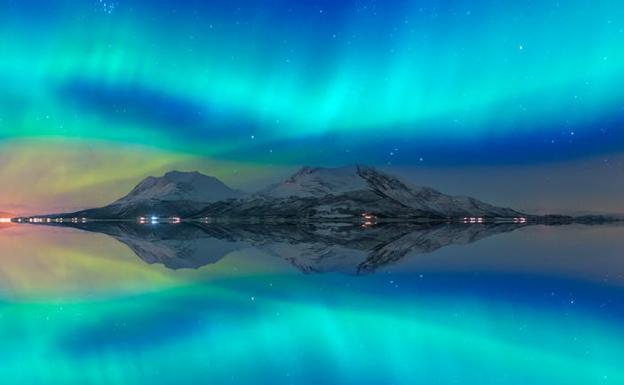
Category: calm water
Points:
column 174, row 305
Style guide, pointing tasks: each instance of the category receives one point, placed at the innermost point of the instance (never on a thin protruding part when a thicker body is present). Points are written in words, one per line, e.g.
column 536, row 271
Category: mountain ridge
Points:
column 179, row 185
column 348, row 192
column 176, row 193
column 311, row 193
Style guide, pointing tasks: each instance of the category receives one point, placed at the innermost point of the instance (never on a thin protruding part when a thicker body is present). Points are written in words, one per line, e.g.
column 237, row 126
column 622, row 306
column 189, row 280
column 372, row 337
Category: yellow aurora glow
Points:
column 52, row 175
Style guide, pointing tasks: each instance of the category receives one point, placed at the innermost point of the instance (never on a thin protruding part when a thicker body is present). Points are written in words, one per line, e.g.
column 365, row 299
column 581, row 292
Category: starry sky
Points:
column 517, row 103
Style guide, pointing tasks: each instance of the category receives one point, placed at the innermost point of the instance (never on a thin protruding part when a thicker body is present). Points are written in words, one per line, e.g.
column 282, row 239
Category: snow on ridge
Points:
column 178, row 185
column 317, row 182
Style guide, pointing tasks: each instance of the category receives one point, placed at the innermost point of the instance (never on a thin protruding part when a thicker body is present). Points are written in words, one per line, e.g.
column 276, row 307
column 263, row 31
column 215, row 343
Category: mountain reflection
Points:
column 311, row 248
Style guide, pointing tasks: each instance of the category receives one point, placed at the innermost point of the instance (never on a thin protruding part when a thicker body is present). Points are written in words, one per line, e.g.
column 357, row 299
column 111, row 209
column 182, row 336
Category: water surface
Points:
column 208, row 304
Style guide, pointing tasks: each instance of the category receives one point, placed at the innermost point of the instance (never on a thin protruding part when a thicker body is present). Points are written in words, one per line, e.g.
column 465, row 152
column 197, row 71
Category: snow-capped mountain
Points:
column 347, row 192
column 180, row 186
column 336, row 194
column 310, row 182
column 176, row 193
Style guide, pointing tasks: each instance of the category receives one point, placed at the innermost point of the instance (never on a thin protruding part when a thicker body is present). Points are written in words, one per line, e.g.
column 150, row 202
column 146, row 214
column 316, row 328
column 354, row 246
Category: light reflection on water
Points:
column 539, row 305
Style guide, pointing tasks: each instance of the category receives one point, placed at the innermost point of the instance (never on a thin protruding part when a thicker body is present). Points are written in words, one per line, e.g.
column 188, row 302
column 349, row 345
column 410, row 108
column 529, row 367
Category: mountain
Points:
column 347, row 193
column 180, row 186
column 311, row 194
column 310, row 182
column 174, row 194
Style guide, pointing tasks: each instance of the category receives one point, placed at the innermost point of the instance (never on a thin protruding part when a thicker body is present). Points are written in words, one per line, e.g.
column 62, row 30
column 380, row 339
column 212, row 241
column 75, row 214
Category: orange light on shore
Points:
column 5, row 220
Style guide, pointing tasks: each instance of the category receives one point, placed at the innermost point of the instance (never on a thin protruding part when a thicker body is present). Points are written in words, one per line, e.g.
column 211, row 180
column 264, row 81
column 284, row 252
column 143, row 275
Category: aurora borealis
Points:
column 245, row 88
column 517, row 103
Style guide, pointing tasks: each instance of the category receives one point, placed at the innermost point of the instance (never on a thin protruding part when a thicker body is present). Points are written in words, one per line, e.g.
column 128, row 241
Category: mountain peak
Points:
column 317, row 181
column 320, row 181
column 185, row 176
column 180, row 186
column 182, row 174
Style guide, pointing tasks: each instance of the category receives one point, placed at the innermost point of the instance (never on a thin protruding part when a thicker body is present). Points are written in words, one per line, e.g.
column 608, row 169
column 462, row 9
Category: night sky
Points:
column 517, row 103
